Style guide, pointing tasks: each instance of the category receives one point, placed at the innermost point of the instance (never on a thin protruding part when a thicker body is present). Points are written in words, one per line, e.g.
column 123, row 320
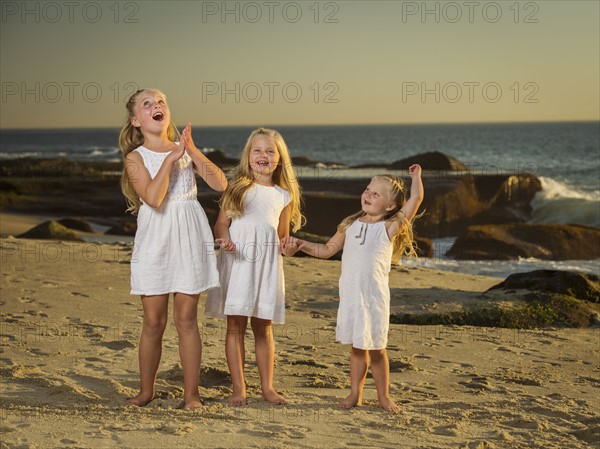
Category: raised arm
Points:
column 151, row 190
column 203, row 166
column 410, row 208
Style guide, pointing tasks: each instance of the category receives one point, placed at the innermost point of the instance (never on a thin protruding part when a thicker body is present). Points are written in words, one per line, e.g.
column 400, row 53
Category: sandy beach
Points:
column 69, row 335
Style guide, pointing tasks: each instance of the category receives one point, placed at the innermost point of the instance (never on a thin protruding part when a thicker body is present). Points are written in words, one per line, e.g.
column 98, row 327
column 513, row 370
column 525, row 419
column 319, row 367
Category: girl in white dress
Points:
column 371, row 239
column 262, row 201
column 173, row 246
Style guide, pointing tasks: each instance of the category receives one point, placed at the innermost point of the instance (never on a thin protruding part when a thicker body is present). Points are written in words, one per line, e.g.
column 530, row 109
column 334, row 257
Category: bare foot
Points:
column 273, row 397
column 352, row 400
column 191, row 403
column 388, row 405
column 237, row 399
column 140, row 400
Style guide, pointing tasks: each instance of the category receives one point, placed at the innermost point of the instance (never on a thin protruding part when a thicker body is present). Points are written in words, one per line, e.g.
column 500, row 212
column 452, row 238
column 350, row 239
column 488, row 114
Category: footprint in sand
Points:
column 83, row 295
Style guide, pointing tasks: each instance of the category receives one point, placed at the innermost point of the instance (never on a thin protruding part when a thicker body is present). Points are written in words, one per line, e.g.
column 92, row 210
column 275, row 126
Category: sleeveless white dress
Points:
column 364, row 312
column 251, row 277
column 173, row 249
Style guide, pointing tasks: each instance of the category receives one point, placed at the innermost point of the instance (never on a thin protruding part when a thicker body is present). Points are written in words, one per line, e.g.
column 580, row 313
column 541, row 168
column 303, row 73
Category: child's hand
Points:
column 177, row 150
column 186, row 138
column 289, row 246
column 414, row 170
column 226, row 244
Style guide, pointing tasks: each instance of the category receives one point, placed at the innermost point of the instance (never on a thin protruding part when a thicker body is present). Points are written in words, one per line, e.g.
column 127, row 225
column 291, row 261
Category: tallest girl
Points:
column 173, row 248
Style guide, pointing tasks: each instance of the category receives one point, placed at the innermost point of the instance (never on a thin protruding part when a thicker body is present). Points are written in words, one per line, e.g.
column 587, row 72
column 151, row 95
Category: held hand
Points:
column 289, row 245
column 226, row 244
column 414, row 170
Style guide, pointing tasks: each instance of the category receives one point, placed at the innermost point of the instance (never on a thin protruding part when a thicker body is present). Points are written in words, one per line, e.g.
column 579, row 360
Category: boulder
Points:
column 579, row 285
column 50, row 230
column 76, row 224
column 433, row 160
column 125, row 228
column 543, row 241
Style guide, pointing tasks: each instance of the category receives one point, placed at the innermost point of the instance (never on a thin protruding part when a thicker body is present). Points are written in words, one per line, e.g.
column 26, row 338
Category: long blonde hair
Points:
column 130, row 138
column 232, row 202
column 403, row 242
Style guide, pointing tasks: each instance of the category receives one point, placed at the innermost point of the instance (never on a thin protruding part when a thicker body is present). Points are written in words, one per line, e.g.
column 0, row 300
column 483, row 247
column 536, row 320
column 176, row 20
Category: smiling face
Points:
column 377, row 198
column 264, row 156
column 151, row 112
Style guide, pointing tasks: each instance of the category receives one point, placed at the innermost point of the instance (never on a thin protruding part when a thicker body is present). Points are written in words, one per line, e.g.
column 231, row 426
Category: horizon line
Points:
column 523, row 122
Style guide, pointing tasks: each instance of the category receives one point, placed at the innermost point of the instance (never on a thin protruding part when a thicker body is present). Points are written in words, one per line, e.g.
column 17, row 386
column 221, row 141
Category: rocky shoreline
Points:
column 483, row 210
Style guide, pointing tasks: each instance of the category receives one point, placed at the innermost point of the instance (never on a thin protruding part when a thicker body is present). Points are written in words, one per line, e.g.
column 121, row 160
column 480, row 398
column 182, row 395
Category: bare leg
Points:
column 265, row 357
column 185, row 312
column 359, row 364
column 235, row 351
column 155, row 320
column 380, row 367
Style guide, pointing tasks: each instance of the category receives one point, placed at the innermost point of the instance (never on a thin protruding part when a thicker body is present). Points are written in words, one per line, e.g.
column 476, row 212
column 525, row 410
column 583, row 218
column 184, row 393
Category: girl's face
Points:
column 377, row 198
column 151, row 112
column 263, row 156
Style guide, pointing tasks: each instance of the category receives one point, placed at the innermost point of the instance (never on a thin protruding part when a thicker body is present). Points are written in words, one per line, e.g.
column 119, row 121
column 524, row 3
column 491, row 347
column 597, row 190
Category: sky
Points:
column 74, row 64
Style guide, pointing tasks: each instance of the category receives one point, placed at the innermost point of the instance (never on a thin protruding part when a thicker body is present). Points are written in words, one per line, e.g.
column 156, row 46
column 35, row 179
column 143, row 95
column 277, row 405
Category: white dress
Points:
column 173, row 249
column 364, row 312
column 252, row 282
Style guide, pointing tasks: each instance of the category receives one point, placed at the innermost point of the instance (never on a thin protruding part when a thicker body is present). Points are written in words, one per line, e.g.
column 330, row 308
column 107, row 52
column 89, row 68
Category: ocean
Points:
column 565, row 156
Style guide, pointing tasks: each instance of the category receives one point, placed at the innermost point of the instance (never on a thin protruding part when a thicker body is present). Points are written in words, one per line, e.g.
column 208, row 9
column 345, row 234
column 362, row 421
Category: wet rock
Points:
column 125, row 228
column 579, row 285
column 509, row 242
column 50, row 230
column 76, row 224
column 433, row 160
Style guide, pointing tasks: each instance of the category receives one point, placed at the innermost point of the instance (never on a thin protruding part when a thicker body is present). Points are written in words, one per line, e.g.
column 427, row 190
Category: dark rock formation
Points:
column 76, row 224
column 507, row 242
column 579, row 285
column 433, row 160
column 50, row 230
column 125, row 228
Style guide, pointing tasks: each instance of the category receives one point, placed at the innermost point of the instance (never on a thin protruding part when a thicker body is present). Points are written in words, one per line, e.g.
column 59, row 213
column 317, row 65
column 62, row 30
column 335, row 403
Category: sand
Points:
column 69, row 333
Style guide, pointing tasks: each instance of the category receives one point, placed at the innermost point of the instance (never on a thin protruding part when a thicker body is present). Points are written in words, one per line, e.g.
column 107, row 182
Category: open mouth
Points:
column 159, row 117
column 263, row 164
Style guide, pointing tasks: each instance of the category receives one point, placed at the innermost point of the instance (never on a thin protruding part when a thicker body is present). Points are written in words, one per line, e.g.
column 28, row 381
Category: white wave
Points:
column 503, row 268
column 560, row 203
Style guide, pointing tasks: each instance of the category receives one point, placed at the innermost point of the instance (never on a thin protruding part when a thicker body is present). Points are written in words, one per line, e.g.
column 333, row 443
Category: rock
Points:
column 424, row 247
column 8, row 187
column 126, row 228
column 76, row 224
column 579, row 285
column 50, row 230
column 433, row 160
column 545, row 241
column 219, row 158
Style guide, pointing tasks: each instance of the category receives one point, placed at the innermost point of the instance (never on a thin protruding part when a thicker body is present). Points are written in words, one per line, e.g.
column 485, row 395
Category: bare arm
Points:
column 151, row 190
column 222, row 236
column 323, row 250
column 283, row 231
column 409, row 210
column 204, row 167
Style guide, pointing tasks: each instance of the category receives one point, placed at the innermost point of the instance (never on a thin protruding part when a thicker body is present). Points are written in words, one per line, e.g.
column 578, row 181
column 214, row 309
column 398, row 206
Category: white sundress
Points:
column 364, row 312
column 251, row 277
column 173, row 248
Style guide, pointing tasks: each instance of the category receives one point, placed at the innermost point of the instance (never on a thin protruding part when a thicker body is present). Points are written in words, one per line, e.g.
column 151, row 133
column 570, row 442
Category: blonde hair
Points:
column 403, row 242
column 130, row 138
column 232, row 202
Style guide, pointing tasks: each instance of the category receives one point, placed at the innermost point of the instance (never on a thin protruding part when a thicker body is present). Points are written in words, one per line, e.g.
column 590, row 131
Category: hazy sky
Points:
column 73, row 64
